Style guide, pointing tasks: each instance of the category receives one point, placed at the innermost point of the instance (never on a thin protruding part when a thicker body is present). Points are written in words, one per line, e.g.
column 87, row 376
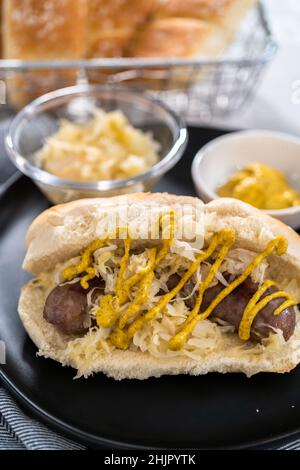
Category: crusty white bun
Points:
column 229, row 11
column 62, row 232
column 36, row 30
column 192, row 28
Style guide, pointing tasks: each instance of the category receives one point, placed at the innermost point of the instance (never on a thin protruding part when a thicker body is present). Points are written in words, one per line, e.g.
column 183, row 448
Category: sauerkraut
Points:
column 107, row 147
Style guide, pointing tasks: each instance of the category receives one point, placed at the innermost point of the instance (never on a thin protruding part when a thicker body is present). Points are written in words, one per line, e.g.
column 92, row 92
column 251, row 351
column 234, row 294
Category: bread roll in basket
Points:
column 48, row 30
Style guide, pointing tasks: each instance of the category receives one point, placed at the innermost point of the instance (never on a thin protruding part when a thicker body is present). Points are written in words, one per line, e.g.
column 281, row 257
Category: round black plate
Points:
column 213, row 411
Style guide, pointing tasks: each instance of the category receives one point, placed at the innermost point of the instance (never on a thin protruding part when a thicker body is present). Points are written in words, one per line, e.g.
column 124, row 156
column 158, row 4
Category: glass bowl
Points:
column 40, row 119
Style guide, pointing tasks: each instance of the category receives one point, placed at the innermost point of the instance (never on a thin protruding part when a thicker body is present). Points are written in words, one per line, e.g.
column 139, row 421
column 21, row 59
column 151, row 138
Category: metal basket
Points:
column 197, row 89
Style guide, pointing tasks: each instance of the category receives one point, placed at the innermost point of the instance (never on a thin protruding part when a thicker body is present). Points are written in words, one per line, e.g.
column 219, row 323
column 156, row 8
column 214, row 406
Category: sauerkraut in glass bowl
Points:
column 91, row 141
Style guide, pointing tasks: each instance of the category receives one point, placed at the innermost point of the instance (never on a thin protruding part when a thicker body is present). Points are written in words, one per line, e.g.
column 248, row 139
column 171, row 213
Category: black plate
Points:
column 213, row 411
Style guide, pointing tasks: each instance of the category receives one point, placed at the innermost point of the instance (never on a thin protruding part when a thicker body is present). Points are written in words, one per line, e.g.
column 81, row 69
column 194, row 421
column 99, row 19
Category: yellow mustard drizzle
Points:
column 91, row 273
column 255, row 306
column 110, row 306
column 143, row 294
column 148, row 275
column 135, row 278
column 85, row 264
column 279, row 244
column 229, row 239
column 120, row 291
column 249, row 313
column 290, row 302
column 167, row 243
column 121, row 339
column 109, row 311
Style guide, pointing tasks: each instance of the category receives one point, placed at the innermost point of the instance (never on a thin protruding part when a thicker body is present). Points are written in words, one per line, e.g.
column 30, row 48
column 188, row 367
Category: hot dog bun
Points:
column 63, row 231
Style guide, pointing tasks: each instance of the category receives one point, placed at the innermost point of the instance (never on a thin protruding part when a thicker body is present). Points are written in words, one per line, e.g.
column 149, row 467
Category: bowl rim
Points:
column 200, row 183
column 41, row 176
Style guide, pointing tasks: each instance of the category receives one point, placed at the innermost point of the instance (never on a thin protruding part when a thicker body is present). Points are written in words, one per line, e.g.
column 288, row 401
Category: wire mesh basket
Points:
column 197, row 89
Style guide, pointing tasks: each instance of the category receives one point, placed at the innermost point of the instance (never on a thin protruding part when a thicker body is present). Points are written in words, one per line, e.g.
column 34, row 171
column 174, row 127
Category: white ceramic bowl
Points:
column 222, row 157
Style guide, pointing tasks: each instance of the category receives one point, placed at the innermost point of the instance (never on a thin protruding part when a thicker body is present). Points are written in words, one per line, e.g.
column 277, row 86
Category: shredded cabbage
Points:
column 107, row 147
column 185, row 250
column 82, row 352
column 238, row 258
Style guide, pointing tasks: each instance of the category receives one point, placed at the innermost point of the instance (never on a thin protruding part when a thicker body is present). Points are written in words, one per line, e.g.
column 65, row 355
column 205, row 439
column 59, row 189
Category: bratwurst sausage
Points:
column 231, row 308
column 66, row 307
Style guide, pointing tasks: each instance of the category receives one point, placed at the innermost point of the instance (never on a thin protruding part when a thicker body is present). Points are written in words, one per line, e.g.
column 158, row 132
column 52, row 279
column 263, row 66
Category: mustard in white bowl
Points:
column 218, row 161
column 261, row 186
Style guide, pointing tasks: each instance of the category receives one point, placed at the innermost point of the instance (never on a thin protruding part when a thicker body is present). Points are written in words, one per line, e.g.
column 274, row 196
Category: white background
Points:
column 272, row 106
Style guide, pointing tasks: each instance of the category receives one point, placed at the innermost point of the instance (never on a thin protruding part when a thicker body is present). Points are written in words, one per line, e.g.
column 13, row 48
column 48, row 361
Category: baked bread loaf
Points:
column 112, row 25
column 186, row 29
column 112, row 28
column 213, row 24
column 63, row 232
column 211, row 10
column 172, row 37
column 35, row 30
